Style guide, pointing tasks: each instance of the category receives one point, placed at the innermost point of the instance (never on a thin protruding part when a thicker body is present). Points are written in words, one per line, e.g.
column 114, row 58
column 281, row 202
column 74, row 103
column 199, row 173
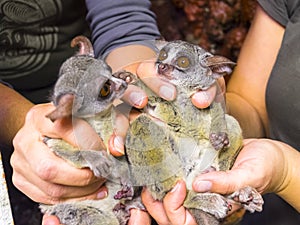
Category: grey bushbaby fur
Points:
column 168, row 141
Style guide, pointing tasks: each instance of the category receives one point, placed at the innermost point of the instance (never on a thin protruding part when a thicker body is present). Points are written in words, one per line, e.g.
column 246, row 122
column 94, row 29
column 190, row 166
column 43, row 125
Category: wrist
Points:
column 289, row 187
column 13, row 112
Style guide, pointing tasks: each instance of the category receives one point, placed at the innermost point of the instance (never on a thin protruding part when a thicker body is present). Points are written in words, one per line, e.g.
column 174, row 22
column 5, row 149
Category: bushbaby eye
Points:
column 183, row 62
column 162, row 55
column 105, row 91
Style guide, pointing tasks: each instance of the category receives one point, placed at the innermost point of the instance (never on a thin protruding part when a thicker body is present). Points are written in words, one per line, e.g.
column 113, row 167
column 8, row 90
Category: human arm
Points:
column 52, row 168
column 13, row 110
column 267, row 165
column 245, row 95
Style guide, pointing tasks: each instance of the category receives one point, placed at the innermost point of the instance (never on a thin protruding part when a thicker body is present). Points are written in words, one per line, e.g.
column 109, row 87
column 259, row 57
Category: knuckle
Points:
column 17, row 181
column 13, row 160
column 88, row 177
column 55, row 193
column 47, row 170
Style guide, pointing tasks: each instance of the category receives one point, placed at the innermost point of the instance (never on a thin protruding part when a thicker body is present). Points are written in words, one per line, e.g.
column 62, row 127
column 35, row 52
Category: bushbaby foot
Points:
column 122, row 213
column 126, row 192
column 215, row 204
column 99, row 162
column 204, row 218
column 128, row 77
column 219, row 140
column 249, row 198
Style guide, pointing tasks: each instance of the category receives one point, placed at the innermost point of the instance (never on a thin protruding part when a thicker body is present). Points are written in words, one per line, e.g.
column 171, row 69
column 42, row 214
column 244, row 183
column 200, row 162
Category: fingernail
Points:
column 202, row 99
column 136, row 98
column 175, row 188
column 49, row 220
column 102, row 194
column 119, row 144
column 167, row 92
column 203, row 186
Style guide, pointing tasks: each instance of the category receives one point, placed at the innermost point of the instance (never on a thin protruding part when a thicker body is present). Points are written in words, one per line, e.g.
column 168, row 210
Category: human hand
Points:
column 134, row 96
column 260, row 164
column 171, row 209
column 45, row 177
column 146, row 71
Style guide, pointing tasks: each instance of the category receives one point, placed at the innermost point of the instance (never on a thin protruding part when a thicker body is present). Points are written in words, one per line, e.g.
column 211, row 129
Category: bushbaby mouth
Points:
column 165, row 70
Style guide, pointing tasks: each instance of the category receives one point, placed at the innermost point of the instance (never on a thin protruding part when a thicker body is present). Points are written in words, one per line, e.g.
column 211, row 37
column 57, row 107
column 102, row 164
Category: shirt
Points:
column 35, row 36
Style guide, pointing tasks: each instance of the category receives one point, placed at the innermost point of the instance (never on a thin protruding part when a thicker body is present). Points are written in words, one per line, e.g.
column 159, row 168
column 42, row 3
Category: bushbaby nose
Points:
column 164, row 68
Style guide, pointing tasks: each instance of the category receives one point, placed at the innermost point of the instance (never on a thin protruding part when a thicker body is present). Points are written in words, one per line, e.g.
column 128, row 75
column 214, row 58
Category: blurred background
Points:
column 219, row 26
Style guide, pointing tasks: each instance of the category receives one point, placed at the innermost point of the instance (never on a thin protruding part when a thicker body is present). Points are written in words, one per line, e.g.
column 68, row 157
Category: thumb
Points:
column 173, row 204
column 175, row 198
column 50, row 220
column 222, row 182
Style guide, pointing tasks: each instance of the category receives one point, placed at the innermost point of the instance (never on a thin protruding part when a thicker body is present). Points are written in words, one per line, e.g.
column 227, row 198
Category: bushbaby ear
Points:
column 219, row 65
column 63, row 108
column 84, row 44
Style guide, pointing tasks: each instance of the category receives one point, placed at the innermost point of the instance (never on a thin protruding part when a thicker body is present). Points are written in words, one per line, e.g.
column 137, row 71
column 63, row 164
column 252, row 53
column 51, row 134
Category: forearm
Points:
column 247, row 116
column 289, row 189
column 12, row 113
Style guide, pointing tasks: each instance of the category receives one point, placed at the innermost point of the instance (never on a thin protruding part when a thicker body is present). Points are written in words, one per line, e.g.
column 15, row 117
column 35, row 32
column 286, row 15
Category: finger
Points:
column 49, row 167
column 50, row 220
column 242, row 173
column 75, row 131
column 135, row 96
column 155, row 208
column 147, row 72
column 120, row 127
column 216, row 181
column 173, row 204
column 223, row 182
column 50, row 193
column 78, row 133
column 203, row 99
column 138, row 217
column 55, row 176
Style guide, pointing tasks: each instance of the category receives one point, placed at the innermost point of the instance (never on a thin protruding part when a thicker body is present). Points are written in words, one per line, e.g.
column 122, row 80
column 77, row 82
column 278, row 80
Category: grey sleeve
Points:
column 116, row 23
column 277, row 9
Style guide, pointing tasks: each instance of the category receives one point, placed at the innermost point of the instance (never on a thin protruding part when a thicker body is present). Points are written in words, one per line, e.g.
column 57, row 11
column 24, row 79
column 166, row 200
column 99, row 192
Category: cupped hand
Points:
column 260, row 164
column 171, row 209
column 146, row 71
column 43, row 176
column 137, row 98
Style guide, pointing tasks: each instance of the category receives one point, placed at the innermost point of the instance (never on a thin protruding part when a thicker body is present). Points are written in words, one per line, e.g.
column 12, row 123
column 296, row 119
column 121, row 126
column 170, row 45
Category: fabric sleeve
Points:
column 116, row 23
column 276, row 9
column 282, row 11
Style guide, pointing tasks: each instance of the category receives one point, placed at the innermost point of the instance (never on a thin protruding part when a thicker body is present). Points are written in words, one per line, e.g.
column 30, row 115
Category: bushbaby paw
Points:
column 249, row 198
